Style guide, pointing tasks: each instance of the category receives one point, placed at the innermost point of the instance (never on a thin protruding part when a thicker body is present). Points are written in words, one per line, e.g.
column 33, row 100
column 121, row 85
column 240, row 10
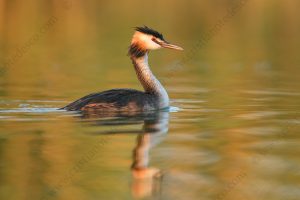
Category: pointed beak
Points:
column 165, row 44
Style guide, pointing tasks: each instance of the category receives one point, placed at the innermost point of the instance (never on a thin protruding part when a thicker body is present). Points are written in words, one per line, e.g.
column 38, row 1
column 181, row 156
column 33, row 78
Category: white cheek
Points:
column 152, row 45
column 149, row 43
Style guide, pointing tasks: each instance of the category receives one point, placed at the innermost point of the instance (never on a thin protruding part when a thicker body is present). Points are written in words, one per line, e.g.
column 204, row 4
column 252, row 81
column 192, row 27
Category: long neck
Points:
column 146, row 77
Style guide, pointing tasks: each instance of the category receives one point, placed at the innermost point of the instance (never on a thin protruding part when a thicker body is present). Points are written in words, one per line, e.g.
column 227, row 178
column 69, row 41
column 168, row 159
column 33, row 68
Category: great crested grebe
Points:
column 154, row 96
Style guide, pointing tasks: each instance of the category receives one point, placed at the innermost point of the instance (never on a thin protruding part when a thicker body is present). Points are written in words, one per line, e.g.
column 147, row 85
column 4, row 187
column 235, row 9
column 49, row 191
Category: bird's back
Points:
column 116, row 100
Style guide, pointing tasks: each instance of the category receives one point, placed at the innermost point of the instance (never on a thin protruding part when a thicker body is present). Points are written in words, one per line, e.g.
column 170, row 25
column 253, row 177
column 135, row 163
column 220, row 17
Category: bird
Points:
column 154, row 97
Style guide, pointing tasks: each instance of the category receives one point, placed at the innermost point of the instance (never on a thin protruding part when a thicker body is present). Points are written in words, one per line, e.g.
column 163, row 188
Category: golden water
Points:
column 233, row 128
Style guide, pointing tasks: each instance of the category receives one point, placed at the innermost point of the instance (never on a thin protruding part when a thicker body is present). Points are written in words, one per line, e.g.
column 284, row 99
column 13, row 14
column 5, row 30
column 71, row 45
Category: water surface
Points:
column 232, row 131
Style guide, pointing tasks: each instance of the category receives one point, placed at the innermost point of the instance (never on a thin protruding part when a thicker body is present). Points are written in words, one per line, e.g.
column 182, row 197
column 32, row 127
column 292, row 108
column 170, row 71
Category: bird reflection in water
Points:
column 146, row 180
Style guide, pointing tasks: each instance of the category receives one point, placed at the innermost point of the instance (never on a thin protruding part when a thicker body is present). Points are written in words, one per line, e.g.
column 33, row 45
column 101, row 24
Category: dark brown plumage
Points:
column 136, row 51
column 115, row 100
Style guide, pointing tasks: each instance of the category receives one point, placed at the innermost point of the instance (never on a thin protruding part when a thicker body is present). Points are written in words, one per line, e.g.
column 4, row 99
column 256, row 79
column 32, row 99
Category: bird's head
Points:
column 145, row 39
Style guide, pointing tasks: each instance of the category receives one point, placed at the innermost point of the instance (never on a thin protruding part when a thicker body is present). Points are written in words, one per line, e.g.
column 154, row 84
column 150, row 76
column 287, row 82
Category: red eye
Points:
column 155, row 40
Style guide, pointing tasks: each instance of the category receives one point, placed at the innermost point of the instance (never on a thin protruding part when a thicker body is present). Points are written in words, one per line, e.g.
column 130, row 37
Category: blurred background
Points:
column 234, row 92
column 87, row 44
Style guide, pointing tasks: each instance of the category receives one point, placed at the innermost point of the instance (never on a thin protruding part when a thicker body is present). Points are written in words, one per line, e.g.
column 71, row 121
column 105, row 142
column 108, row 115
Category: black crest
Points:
column 149, row 31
